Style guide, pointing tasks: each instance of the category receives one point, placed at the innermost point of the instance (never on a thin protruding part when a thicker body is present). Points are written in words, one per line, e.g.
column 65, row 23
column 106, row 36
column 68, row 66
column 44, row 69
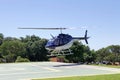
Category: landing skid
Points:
column 61, row 53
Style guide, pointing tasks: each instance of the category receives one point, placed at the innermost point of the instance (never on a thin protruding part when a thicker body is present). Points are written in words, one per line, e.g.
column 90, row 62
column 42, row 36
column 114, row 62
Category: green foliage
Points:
column 10, row 39
column 110, row 54
column 11, row 49
column 32, row 38
column 36, row 50
column 81, row 52
column 1, row 60
column 20, row 59
column 1, row 38
column 30, row 47
column 33, row 48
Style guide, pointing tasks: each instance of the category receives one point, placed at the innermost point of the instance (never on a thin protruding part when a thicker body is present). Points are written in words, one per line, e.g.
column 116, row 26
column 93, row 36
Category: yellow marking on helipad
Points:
column 51, row 69
column 24, row 79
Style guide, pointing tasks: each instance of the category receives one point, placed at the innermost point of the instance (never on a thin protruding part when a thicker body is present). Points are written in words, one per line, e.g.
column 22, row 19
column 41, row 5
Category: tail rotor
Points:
column 86, row 37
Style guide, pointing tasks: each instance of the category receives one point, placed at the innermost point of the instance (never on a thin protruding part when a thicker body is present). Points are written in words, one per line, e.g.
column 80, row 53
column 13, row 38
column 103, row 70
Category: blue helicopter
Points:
column 62, row 42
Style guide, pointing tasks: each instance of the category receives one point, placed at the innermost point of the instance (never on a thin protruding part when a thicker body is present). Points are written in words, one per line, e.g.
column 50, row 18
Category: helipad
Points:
column 27, row 71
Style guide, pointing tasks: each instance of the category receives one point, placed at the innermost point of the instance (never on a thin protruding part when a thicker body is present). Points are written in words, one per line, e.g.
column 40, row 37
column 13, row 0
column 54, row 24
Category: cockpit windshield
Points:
column 49, row 43
column 61, row 39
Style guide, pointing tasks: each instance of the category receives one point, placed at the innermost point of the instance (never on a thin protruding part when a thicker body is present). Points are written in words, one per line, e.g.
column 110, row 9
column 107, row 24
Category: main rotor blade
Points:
column 49, row 28
column 46, row 28
column 76, row 27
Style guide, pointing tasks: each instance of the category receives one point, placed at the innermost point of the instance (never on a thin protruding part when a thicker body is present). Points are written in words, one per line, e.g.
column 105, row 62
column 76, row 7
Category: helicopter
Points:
column 61, row 43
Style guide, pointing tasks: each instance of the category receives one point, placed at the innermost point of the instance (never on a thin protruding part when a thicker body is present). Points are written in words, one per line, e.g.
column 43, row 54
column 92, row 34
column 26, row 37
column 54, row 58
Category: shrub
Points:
column 20, row 59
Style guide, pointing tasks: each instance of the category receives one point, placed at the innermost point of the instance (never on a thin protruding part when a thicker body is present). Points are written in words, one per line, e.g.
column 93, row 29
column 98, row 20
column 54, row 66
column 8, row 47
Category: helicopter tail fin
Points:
column 83, row 38
column 86, row 37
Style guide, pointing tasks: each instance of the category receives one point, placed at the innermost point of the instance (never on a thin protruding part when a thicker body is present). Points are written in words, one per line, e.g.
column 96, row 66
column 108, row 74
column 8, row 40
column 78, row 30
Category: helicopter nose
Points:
column 49, row 45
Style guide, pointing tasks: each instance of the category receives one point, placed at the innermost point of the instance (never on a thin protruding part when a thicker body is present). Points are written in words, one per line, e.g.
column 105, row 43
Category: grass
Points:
column 97, row 77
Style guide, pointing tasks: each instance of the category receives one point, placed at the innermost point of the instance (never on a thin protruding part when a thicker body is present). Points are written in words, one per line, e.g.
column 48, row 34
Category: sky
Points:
column 100, row 17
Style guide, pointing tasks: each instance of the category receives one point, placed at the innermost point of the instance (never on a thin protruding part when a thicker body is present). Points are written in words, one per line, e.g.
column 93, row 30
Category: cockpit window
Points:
column 62, row 39
column 49, row 43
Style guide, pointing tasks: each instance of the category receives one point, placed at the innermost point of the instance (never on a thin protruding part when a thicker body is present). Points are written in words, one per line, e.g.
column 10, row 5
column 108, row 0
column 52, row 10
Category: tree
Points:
column 20, row 59
column 1, row 38
column 89, row 55
column 28, row 38
column 101, row 54
column 110, row 54
column 115, row 49
column 36, row 50
column 10, row 39
column 81, row 53
column 11, row 49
